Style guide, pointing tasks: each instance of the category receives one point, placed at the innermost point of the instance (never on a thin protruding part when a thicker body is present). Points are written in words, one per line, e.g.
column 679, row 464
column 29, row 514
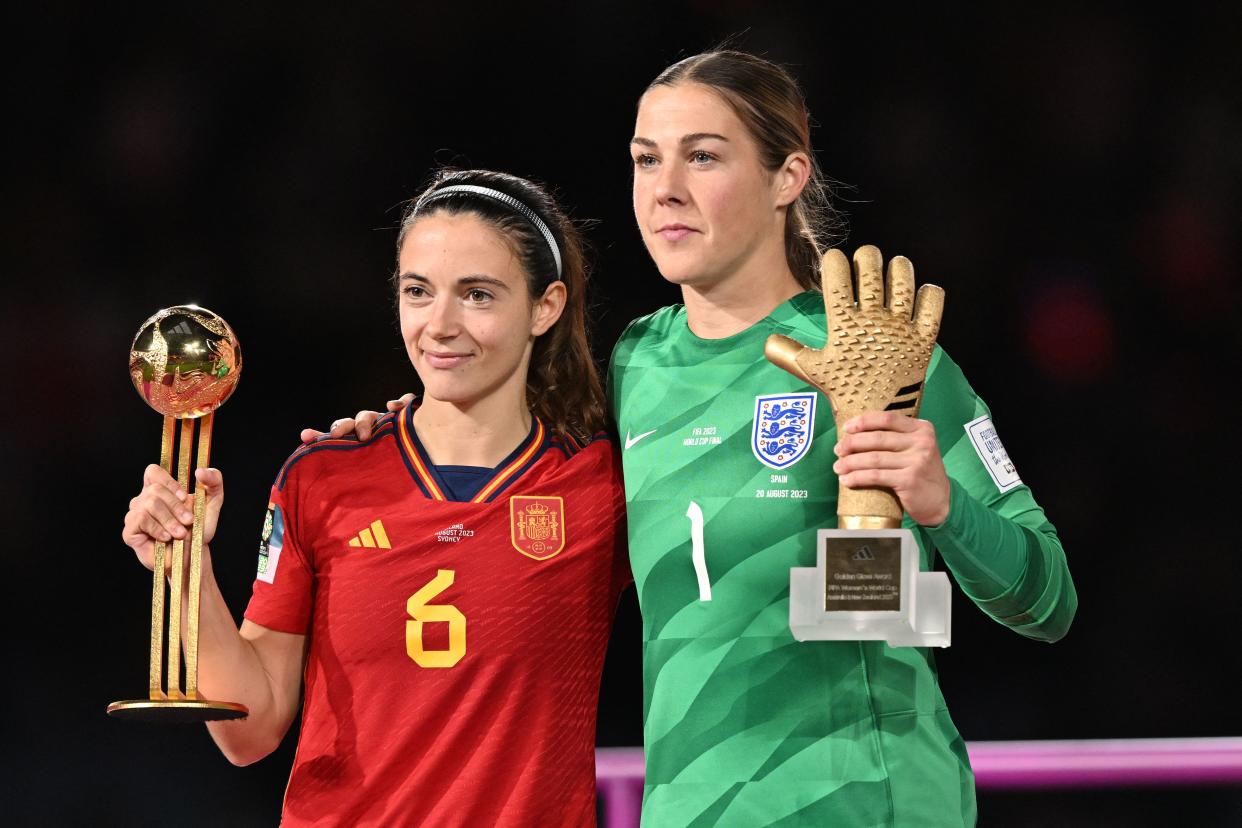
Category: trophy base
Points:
column 177, row 711
column 876, row 571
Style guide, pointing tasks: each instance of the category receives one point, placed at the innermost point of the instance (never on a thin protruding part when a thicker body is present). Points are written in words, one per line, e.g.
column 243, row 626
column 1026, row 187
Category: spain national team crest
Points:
column 784, row 425
column 537, row 525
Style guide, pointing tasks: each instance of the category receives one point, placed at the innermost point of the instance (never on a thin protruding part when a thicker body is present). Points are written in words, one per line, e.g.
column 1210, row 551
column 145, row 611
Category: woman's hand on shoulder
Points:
column 360, row 424
column 882, row 448
column 163, row 511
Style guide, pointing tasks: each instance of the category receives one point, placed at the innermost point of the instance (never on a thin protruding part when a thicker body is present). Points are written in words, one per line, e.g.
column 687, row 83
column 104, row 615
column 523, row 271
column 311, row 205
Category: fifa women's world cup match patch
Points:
column 270, row 542
column 537, row 525
column 992, row 453
column 783, row 427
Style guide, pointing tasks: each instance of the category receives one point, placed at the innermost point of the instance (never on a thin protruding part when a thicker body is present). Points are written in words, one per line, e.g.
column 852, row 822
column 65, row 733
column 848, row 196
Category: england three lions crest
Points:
column 783, row 428
column 537, row 525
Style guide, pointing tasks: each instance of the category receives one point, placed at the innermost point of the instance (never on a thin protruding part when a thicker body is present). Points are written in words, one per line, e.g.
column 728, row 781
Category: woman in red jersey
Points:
column 436, row 598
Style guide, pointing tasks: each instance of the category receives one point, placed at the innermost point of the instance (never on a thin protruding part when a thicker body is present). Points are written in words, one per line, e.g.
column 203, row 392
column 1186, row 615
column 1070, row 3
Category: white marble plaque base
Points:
column 873, row 568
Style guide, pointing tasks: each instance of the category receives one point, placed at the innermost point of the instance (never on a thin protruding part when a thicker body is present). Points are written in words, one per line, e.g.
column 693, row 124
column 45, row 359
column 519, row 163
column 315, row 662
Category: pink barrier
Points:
column 1089, row 763
column 1098, row 763
column 619, row 785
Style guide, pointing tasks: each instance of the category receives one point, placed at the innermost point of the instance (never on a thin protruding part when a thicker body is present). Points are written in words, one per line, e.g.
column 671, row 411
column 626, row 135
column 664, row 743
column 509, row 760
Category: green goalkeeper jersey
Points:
column 728, row 475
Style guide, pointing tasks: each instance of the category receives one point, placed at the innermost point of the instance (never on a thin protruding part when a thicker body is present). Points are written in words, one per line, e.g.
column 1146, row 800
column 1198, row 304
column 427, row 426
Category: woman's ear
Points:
column 791, row 178
column 548, row 308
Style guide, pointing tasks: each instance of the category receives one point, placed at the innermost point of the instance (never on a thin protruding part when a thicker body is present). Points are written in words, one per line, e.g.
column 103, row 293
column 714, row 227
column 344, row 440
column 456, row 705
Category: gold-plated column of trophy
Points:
column 185, row 362
column 866, row 584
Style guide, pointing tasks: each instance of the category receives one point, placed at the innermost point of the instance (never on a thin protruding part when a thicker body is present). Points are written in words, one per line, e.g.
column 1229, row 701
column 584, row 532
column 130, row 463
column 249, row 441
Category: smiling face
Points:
column 466, row 315
column 706, row 206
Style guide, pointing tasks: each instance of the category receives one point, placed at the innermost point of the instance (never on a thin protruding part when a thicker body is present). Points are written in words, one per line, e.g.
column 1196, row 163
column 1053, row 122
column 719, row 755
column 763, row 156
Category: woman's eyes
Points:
column 699, row 157
column 474, row 295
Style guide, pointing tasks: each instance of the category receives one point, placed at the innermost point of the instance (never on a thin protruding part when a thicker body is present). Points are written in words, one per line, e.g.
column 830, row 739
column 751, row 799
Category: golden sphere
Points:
column 185, row 361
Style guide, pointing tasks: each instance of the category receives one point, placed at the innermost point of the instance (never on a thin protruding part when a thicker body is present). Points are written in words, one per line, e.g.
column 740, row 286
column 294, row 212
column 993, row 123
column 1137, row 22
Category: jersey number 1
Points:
column 698, row 555
column 422, row 613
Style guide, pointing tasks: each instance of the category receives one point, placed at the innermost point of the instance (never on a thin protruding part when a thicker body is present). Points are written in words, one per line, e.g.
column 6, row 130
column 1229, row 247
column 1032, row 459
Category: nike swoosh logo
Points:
column 630, row 441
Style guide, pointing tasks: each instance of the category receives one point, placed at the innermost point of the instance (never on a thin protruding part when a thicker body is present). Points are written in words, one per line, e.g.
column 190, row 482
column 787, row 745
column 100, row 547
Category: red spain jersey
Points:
column 455, row 648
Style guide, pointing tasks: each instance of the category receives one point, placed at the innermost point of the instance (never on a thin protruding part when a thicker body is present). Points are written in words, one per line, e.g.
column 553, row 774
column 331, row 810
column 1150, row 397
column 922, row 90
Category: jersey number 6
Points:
column 422, row 612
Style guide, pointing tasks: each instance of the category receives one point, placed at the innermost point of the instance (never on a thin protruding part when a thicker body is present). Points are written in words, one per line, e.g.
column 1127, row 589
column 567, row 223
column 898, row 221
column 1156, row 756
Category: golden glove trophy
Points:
column 866, row 584
column 185, row 362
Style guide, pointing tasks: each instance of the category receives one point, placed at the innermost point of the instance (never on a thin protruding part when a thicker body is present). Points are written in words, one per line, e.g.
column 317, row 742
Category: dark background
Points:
column 1071, row 177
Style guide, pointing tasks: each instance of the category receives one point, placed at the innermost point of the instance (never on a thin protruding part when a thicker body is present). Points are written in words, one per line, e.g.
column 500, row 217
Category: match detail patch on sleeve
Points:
column 270, row 542
column 995, row 459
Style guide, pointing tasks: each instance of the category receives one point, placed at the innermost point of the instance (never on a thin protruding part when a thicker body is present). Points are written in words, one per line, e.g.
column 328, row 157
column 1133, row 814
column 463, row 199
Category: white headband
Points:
column 502, row 198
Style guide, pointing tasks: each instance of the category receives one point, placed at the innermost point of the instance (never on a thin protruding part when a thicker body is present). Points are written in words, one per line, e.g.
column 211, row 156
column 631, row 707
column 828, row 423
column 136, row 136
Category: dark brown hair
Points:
column 770, row 104
column 562, row 385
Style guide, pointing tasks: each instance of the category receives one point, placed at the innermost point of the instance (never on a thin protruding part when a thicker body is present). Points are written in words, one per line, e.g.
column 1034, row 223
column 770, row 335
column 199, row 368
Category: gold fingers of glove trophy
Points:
column 875, row 358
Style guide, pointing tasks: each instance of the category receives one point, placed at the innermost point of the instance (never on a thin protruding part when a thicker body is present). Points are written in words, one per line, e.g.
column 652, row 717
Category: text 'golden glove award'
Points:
column 866, row 584
column 185, row 362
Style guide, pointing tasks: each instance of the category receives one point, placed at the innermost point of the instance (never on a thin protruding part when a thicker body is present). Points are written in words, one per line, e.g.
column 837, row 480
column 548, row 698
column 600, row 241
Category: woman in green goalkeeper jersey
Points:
column 743, row 725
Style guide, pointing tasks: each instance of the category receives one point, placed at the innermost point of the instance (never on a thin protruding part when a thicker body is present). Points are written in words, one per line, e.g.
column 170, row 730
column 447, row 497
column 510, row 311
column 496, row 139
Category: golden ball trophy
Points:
column 185, row 362
column 866, row 584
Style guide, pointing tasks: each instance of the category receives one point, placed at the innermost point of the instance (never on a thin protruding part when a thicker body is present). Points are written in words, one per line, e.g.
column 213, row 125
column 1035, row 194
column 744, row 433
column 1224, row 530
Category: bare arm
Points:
column 255, row 666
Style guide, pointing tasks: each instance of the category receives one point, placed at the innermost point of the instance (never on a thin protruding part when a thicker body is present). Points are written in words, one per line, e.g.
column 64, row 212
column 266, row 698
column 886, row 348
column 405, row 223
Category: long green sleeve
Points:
column 997, row 542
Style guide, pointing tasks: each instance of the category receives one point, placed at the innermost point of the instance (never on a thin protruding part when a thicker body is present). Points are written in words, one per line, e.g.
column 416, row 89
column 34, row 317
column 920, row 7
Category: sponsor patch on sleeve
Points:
column 270, row 542
column 995, row 459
